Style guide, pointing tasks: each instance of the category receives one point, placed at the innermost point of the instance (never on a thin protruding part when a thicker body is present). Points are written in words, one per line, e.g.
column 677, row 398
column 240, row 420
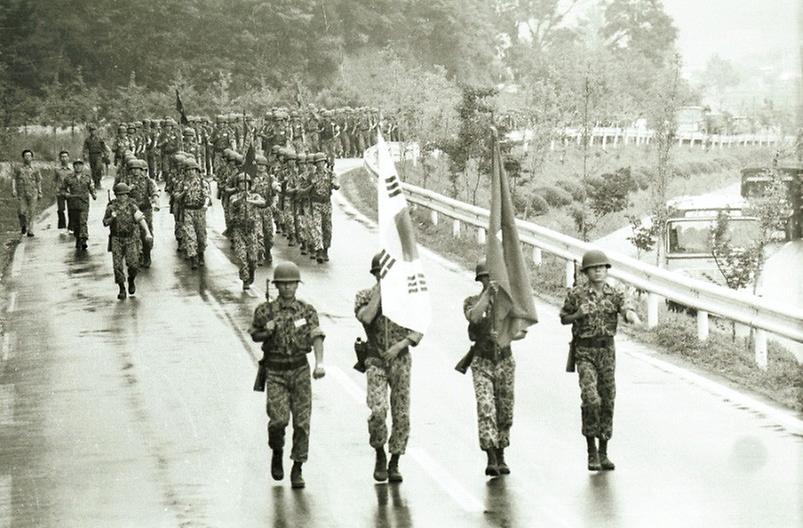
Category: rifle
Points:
column 112, row 225
column 571, row 362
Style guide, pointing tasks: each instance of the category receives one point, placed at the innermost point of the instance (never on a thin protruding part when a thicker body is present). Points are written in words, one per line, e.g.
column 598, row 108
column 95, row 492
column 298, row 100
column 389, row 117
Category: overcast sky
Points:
column 734, row 29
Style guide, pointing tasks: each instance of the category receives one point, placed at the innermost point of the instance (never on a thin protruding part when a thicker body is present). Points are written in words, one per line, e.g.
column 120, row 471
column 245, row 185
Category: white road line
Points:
column 12, row 302
column 19, row 256
column 7, row 352
column 439, row 474
column 785, row 419
column 5, row 501
column 6, row 405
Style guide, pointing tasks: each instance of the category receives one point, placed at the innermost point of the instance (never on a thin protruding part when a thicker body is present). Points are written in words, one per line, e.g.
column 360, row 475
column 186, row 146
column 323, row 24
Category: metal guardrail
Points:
column 706, row 298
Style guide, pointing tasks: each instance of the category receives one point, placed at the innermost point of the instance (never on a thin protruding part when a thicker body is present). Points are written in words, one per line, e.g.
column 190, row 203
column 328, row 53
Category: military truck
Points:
column 755, row 181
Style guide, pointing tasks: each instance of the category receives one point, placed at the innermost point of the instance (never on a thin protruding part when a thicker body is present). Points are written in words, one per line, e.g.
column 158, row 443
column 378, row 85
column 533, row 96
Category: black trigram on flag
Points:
column 416, row 283
column 385, row 263
column 392, row 185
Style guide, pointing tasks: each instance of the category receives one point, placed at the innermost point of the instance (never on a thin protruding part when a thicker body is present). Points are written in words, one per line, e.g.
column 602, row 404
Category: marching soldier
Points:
column 388, row 366
column 77, row 188
column 322, row 208
column 289, row 190
column 329, row 135
column 95, row 150
column 124, row 218
column 297, row 132
column 243, row 225
column 144, row 193
column 26, row 187
column 60, row 173
column 288, row 329
column 194, row 197
column 265, row 186
column 593, row 309
column 493, row 370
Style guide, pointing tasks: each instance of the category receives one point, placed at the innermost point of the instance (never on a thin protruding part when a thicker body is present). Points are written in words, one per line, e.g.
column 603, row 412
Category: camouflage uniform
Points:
column 493, row 370
column 595, row 353
column 195, row 194
column 143, row 193
column 244, row 235
column 263, row 186
column 382, row 333
column 78, row 188
column 125, row 238
column 288, row 384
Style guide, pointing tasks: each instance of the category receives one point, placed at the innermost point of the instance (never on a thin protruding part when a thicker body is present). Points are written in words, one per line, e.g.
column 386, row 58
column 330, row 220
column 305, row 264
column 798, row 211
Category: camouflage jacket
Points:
column 263, row 186
column 480, row 333
column 143, row 190
column 382, row 333
column 603, row 310
column 125, row 224
column 195, row 193
column 296, row 327
column 78, row 188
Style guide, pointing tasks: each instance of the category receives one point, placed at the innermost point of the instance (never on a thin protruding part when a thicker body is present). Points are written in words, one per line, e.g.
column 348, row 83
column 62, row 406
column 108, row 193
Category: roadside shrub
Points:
column 573, row 188
column 538, row 205
column 554, row 196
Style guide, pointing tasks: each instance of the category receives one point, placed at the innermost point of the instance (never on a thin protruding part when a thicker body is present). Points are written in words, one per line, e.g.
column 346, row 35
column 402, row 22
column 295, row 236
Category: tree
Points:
column 604, row 195
column 719, row 75
column 640, row 26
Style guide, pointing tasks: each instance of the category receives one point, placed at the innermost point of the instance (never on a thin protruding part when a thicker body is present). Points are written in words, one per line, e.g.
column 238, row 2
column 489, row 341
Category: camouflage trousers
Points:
column 245, row 245
column 289, row 392
column 288, row 221
column 26, row 207
column 493, row 388
column 78, row 222
column 596, row 367
column 264, row 230
column 326, row 224
column 125, row 254
column 316, row 226
column 345, row 144
column 380, row 377
column 194, row 231
column 300, row 219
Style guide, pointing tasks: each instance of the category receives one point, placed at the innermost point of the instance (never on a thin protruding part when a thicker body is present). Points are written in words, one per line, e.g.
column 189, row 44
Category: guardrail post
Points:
column 702, row 325
column 537, row 257
column 456, row 228
column 433, row 215
column 652, row 310
column 568, row 279
column 481, row 235
column 760, row 346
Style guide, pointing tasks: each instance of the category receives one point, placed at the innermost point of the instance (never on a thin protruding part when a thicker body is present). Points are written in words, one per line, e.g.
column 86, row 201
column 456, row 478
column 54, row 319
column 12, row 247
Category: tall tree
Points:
column 641, row 26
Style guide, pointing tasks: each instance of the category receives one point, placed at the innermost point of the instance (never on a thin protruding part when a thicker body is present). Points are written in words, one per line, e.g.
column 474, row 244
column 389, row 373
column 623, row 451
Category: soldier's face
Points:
column 287, row 290
column 77, row 168
column 597, row 274
column 27, row 157
column 64, row 158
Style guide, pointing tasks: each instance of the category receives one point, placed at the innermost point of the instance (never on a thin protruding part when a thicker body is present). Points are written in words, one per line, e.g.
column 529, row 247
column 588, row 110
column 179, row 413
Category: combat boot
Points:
column 500, row 459
column 200, row 260
column 276, row 467
column 492, row 468
column 605, row 462
column 296, row 479
column 393, row 469
column 132, row 288
column 326, row 254
column 121, row 295
column 269, row 259
column 194, row 263
column 319, row 256
column 593, row 455
column 381, row 465
column 303, row 247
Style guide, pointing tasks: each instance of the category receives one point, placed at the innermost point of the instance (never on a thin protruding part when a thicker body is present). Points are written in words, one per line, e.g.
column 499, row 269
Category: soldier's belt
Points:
column 193, row 206
column 593, row 341
column 273, row 363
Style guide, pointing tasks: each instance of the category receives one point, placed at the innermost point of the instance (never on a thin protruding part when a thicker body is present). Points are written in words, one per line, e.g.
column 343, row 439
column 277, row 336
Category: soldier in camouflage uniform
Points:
column 593, row 309
column 323, row 185
column 243, row 225
column 297, row 132
column 195, row 197
column 289, row 190
column 493, row 370
column 265, row 186
column 77, row 188
column 144, row 193
column 301, row 199
column 124, row 218
column 388, row 366
column 288, row 329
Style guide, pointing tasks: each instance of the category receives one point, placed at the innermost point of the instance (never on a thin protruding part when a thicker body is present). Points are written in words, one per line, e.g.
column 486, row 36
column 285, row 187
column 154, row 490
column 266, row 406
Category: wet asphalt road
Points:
column 140, row 413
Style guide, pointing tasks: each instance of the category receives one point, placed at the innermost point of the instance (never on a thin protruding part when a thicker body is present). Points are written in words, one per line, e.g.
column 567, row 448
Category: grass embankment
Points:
column 695, row 171
column 675, row 336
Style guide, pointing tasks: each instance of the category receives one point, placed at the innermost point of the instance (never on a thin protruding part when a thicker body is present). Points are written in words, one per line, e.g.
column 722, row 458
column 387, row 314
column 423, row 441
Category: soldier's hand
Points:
column 319, row 372
column 114, row 214
column 270, row 326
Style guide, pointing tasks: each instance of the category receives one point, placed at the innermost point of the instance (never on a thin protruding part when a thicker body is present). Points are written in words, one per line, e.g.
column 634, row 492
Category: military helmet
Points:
column 594, row 258
column 91, row 127
column 76, row 161
column 286, row 272
column 132, row 126
column 259, row 159
column 291, row 155
column 131, row 162
column 236, row 156
column 188, row 131
column 191, row 164
column 171, row 122
column 142, row 164
column 275, row 149
column 227, row 152
column 301, row 157
column 121, row 188
column 376, row 263
column 120, row 127
column 320, row 156
column 481, row 270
